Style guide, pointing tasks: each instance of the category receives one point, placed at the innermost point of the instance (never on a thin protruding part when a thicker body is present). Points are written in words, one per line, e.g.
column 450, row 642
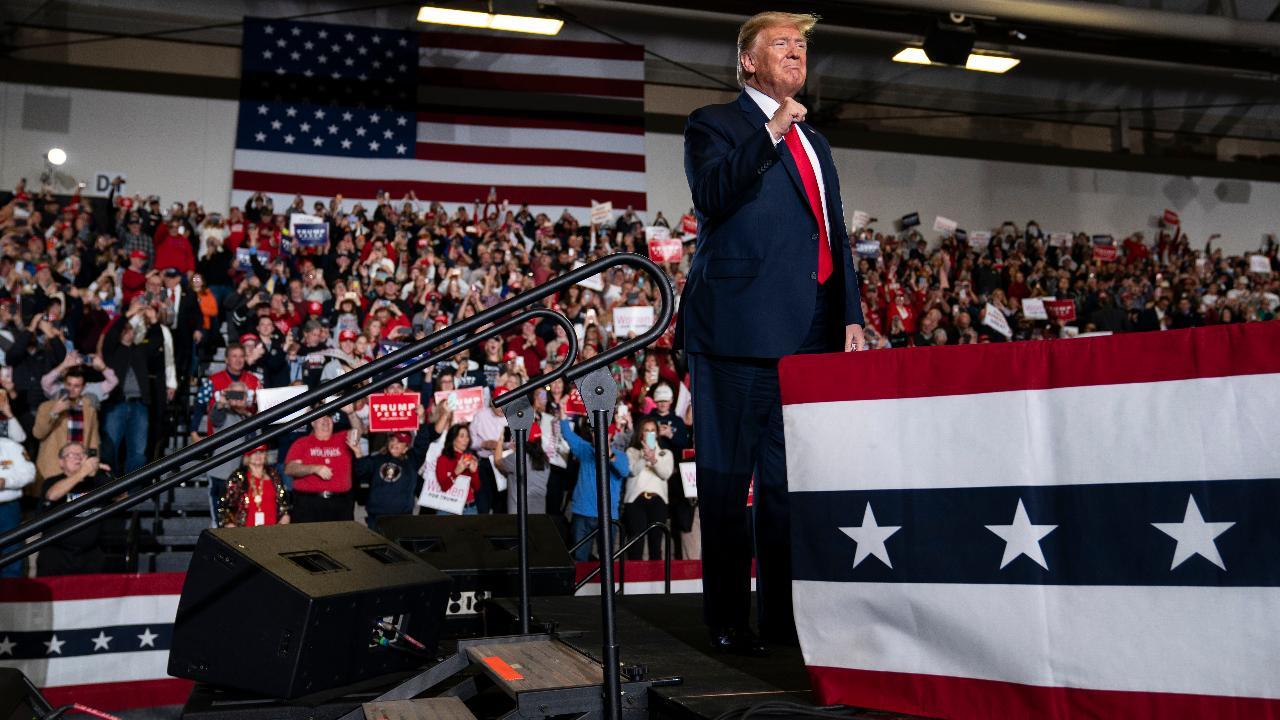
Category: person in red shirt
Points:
column 134, row 280
column 320, row 464
column 529, row 346
column 254, row 495
column 173, row 248
column 456, row 461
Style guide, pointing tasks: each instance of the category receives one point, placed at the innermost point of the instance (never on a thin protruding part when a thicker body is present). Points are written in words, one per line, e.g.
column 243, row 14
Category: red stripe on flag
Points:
column 558, row 84
column 1244, row 349
column 520, row 121
column 532, row 46
column 89, row 587
column 967, row 698
column 546, row 157
column 121, row 695
column 436, row 191
column 642, row 571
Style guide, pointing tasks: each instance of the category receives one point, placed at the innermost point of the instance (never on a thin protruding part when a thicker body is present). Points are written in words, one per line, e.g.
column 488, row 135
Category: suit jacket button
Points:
column 814, row 237
column 813, row 276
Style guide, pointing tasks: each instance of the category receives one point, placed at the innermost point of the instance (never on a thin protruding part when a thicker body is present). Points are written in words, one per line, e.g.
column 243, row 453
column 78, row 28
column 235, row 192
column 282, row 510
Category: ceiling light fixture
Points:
column 980, row 62
column 490, row 21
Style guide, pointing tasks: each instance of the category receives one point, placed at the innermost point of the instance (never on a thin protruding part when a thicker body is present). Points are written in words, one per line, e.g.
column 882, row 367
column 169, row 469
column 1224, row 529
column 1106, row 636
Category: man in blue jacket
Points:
column 772, row 276
column 586, row 515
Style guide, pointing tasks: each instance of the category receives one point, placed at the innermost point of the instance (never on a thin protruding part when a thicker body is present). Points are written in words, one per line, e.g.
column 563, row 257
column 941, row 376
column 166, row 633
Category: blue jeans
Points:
column 10, row 517
column 470, row 510
column 581, row 525
column 126, row 425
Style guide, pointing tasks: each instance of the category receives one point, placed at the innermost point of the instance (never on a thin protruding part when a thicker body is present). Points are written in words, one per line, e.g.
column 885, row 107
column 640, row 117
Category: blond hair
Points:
column 803, row 22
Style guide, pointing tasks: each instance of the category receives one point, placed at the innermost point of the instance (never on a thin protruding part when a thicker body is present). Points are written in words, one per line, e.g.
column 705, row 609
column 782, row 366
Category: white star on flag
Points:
column 376, row 39
column 6, row 646
column 147, row 638
column 373, row 145
column 870, row 538
column 1022, row 538
column 402, row 120
column 403, row 42
column 349, row 61
column 322, row 59
column 335, row 47
column 102, row 642
column 376, row 64
column 375, row 117
column 1194, row 536
column 308, row 72
column 288, row 139
column 350, row 37
column 317, row 141
column 54, row 645
column 362, row 50
column 275, row 124
column 400, row 149
column 279, row 71
column 269, row 29
column 262, row 109
column 387, row 134
column 260, row 136
column 334, row 75
column 346, row 116
column 319, row 114
column 266, row 54
column 323, row 34
column 346, row 144
column 333, row 129
column 305, row 127
column 295, row 55
column 360, row 131
column 290, row 111
column 362, row 76
column 281, row 43
column 296, row 31
column 308, row 45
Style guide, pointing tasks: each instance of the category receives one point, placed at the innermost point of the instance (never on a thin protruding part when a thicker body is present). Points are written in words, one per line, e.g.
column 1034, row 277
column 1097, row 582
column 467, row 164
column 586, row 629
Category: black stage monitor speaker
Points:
column 479, row 551
column 19, row 699
column 290, row 610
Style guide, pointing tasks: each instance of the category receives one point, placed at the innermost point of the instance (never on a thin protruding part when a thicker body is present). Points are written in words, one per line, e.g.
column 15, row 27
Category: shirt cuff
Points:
column 775, row 138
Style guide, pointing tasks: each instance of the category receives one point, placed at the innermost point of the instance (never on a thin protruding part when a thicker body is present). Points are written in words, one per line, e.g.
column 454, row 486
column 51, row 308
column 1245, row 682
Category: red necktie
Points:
column 810, row 181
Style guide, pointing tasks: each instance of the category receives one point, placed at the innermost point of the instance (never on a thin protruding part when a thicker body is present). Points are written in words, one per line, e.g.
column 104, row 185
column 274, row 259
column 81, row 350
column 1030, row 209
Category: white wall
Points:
column 180, row 148
column 177, row 147
column 980, row 194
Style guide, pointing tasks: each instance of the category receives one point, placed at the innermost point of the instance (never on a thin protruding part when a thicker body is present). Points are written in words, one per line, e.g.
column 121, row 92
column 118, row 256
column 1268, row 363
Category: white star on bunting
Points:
column 147, row 638
column 262, row 109
column 260, row 136
column 1195, row 536
column 360, row 131
column 346, row 144
column 305, row 127
column 373, row 145
column 54, row 645
column 400, row 149
column 290, row 111
column 275, row 124
column 402, row 120
column 870, row 538
column 317, row 141
column 6, row 646
column 102, row 642
column 288, row 139
column 319, row 114
column 1022, row 538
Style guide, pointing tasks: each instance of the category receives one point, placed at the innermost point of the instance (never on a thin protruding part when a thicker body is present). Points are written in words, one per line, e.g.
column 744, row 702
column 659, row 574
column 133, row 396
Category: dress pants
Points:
column 737, row 416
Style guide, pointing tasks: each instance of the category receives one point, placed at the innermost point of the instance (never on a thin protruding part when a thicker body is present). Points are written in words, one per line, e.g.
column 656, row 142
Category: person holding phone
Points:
column 645, row 494
column 79, row 472
column 321, row 466
column 66, row 419
column 456, row 461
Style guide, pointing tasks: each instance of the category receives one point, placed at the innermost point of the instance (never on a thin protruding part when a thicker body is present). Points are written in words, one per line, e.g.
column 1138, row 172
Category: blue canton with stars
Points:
column 322, row 89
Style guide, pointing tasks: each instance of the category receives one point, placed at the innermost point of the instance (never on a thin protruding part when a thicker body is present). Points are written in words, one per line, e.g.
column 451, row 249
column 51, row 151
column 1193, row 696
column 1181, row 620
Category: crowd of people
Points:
column 153, row 325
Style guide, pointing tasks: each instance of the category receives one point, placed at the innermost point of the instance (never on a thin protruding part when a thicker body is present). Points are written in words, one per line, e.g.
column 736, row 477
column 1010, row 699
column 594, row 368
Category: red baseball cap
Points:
column 348, row 334
column 314, row 308
column 511, row 355
column 249, row 337
column 403, row 437
column 138, row 254
column 252, row 450
column 442, row 319
column 500, row 391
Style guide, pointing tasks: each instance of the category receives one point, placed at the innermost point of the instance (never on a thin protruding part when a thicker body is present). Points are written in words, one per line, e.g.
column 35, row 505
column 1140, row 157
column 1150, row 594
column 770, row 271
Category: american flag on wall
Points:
column 328, row 109
column 100, row 640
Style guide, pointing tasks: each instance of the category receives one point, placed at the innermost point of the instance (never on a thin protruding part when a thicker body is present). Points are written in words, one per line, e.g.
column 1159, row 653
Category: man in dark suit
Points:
column 772, row 276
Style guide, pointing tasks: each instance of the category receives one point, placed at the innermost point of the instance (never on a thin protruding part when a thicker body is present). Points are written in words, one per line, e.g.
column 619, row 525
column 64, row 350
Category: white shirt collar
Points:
column 766, row 103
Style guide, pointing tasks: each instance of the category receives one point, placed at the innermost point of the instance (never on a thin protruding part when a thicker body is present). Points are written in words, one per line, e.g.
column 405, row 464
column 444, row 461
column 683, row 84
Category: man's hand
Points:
column 787, row 114
column 324, row 472
column 853, row 338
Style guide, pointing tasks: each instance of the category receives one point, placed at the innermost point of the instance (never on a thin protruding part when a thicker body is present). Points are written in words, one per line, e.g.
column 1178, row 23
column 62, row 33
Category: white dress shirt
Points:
column 770, row 106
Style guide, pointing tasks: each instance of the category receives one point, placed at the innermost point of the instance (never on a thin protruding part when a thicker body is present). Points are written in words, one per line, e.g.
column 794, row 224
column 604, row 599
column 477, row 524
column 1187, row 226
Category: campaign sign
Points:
column 451, row 501
column 1105, row 253
column 270, row 397
column 910, row 220
column 1259, row 264
column 242, row 257
column 996, row 320
column 1063, row 310
column 464, row 403
column 860, row 219
column 1171, row 218
column 1033, row 309
column 1060, row 239
column 662, row 246
column 689, row 225
column 573, row 404
column 867, row 248
column 629, row 321
column 311, row 235
column 979, row 239
column 601, row 212
column 943, row 225
column 689, row 479
column 392, row 412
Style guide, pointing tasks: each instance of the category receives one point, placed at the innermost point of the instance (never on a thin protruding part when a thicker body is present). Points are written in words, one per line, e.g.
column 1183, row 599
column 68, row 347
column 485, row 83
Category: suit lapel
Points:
column 827, row 165
column 756, row 118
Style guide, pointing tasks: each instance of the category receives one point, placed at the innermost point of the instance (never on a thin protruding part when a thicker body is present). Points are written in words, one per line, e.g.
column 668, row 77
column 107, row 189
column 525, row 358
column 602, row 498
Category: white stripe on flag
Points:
column 1082, row 435
column 80, row 614
column 97, row 669
column 388, row 170
column 522, row 64
column 1168, row 639
column 519, row 137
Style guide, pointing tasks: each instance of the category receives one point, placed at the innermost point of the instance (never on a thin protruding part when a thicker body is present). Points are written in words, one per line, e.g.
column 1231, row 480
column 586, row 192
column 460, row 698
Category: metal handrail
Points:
column 622, row 563
column 348, row 388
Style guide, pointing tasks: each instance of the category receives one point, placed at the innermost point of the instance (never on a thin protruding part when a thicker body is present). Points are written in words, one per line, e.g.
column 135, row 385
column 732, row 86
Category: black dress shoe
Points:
column 739, row 641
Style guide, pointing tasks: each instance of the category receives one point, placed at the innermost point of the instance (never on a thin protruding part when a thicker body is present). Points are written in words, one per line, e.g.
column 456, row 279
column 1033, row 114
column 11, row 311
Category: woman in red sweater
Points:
column 455, row 461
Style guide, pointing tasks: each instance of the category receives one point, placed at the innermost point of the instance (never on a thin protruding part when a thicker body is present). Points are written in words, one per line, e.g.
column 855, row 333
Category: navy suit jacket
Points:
column 751, row 287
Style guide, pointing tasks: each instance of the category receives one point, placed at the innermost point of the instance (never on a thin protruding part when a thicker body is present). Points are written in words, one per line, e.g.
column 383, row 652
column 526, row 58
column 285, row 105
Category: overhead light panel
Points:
column 56, row 156
column 490, row 21
column 980, row 62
